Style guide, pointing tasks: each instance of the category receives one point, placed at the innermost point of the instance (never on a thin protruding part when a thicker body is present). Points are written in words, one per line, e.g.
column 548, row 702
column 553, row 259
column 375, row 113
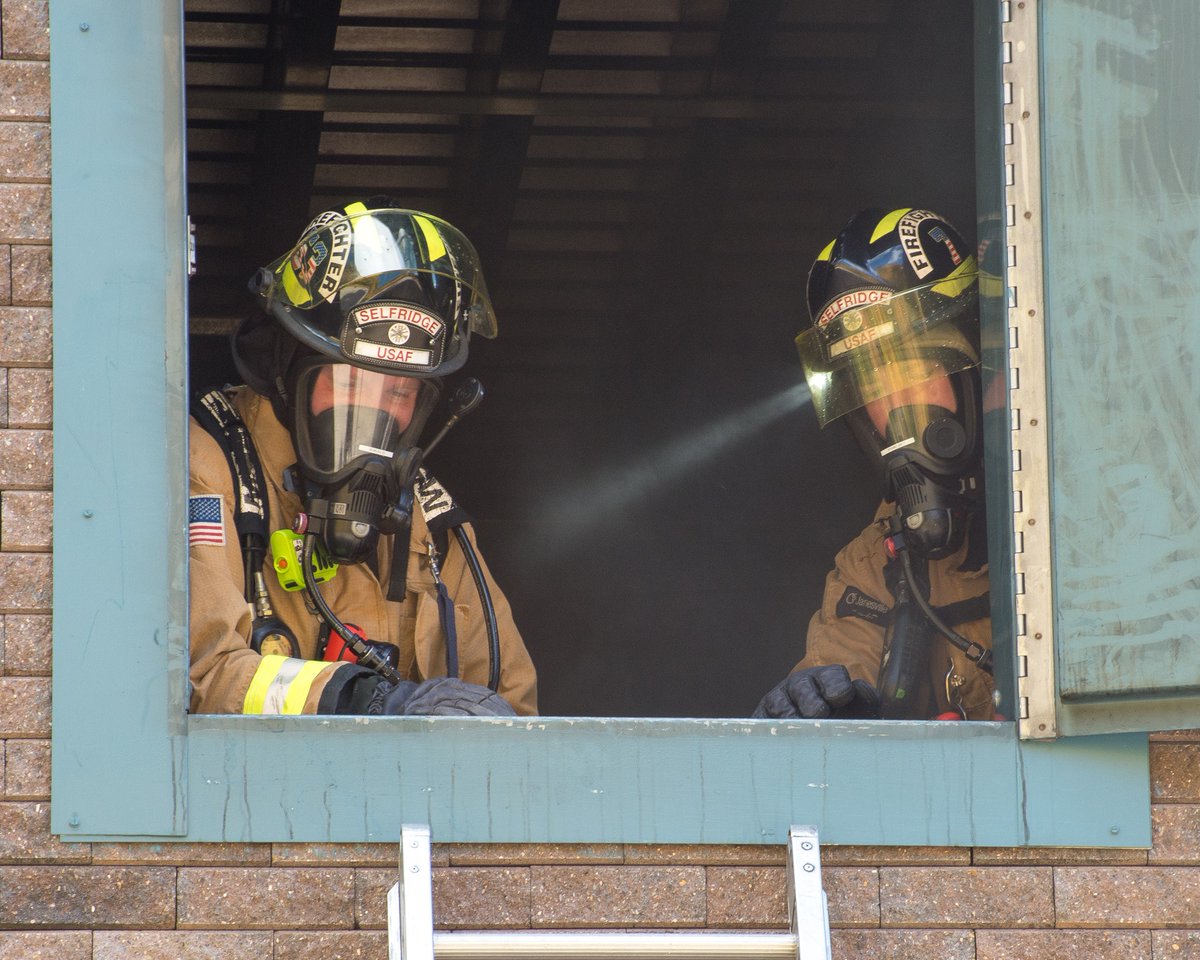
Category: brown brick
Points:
column 967, row 896
column 267, row 898
column 30, row 397
column 463, row 897
column 25, row 519
column 3, row 397
column 895, row 856
column 25, row 151
column 522, row 854
column 25, row 836
column 30, row 276
column 747, row 854
column 181, row 945
column 26, row 86
column 95, row 898
column 481, row 897
column 51, row 945
column 853, row 894
column 25, row 29
column 6, row 272
column 1175, row 833
column 25, row 707
column 1176, row 944
column 24, row 580
column 27, row 769
column 1175, row 772
column 903, row 944
column 24, row 207
column 747, row 897
column 334, row 854
column 617, row 896
column 183, row 854
column 331, row 946
column 25, row 461
column 1054, row 856
column 1190, row 736
column 370, row 897
column 27, row 644
column 1127, row 896
column 25, row 335
column 1063, row 944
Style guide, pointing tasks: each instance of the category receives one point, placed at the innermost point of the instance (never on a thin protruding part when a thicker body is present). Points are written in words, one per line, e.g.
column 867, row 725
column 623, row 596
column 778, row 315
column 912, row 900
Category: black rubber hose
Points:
column 489, row 611
column 366, row 656
column 983, row 659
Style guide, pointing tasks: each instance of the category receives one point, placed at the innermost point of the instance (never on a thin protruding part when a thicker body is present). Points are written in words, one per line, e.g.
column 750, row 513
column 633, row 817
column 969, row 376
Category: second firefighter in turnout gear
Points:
column 330, row 572
column 893, row 351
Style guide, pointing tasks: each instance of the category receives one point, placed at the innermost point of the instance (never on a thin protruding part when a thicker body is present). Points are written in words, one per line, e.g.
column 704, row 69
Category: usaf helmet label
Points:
column 391, row 333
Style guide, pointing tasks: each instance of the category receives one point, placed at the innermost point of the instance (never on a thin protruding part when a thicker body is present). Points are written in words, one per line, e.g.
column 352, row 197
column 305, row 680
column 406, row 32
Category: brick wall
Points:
column 297, row 901
column 310, row 901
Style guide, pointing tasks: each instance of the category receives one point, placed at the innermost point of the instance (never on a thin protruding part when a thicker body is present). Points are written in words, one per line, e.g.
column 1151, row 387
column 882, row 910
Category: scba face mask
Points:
column 902, row 369
column 355, row 433
column 927, row 442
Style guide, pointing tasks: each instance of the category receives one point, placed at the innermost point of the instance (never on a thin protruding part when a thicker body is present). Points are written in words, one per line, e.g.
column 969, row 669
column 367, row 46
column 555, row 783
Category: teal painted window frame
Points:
column 129, row 763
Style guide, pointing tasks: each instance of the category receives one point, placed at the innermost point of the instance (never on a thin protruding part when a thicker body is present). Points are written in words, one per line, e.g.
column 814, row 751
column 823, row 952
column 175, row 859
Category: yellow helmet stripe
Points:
column 958, row 280
column 888, row 223
column 434, row 246
column 297, row 296
column 828, row 251
column 281, row 685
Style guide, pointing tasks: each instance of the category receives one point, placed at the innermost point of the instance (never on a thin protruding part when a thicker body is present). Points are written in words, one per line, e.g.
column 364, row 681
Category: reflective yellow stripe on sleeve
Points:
column 281, row 685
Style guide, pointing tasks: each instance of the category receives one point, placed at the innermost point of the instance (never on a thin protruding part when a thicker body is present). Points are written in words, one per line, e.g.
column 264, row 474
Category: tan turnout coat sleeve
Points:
column 849, row 627
column 222, row 663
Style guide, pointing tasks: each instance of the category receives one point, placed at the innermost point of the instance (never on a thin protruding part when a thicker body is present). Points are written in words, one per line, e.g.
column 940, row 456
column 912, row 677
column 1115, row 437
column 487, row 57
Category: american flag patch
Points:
column 206, row 521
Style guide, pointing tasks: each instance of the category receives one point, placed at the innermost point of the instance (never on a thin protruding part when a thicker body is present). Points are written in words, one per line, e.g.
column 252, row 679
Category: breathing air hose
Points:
column 366, row 656
column 489, row 610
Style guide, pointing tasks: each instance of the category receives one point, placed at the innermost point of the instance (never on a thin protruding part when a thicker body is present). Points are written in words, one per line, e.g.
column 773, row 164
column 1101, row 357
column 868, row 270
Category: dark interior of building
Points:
column 646, row 183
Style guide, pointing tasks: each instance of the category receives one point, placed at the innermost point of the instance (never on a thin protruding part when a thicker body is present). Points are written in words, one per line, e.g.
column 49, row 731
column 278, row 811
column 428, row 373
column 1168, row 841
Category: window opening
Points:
column 651, row 490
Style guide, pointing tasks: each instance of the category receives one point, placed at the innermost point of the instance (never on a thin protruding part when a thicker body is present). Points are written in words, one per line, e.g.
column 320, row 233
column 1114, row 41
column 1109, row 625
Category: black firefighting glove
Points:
column 820, row 693
column 390, row 699
column 451, row 697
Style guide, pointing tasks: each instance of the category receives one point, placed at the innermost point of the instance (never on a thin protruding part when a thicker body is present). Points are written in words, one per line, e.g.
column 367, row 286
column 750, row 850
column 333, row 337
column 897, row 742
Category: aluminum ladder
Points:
column 411, row 935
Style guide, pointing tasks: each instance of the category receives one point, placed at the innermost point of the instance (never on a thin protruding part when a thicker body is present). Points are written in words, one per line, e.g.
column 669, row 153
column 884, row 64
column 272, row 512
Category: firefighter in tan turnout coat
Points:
column 361, row 320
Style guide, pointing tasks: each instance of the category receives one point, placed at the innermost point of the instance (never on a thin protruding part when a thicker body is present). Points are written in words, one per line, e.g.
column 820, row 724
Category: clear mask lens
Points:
column 347, row 414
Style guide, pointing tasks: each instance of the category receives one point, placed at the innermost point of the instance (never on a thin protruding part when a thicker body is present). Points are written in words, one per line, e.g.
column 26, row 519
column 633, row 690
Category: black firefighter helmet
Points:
column 894, row 350
column 893, row 303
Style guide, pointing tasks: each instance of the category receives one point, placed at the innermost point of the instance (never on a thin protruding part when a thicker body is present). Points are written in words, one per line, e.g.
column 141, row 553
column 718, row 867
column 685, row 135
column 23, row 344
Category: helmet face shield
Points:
column 869, row 344
column 388, row 289
column 346, row 416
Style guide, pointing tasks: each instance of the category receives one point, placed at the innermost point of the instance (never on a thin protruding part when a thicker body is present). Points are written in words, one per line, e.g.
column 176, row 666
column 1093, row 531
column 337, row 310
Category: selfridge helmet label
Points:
column 395, row 334
column 851, row 300
column 910, row 241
